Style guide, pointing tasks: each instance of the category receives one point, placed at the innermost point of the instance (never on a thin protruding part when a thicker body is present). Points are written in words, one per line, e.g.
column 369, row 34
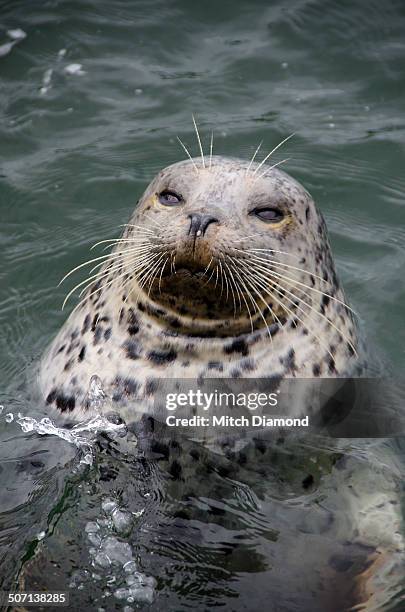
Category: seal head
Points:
column 224, row 269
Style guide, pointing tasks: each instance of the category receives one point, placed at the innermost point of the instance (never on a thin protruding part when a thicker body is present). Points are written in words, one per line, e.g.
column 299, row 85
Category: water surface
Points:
column 91, row 102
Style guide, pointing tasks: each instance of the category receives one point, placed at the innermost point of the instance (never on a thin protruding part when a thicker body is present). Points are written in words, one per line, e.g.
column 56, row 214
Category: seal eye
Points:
column 169, row 198
column 269, row 215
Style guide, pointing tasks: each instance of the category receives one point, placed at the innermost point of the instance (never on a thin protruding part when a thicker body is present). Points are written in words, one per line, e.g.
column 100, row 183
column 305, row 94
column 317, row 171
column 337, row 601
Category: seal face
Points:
column 224, row 270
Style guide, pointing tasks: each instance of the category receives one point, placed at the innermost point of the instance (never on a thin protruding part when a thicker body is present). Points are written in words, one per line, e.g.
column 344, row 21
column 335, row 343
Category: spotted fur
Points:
column 123, row 334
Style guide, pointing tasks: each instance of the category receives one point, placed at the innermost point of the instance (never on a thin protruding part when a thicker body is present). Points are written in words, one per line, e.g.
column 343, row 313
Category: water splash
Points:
column 83, row 434
column 76, row 435
column 112, row 557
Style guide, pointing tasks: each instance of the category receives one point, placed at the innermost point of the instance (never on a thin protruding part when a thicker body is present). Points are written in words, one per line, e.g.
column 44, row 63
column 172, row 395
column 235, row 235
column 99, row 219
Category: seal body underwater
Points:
column 224, row 270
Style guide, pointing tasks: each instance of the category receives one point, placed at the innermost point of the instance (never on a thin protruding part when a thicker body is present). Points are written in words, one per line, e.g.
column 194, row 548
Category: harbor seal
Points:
column 224, row 270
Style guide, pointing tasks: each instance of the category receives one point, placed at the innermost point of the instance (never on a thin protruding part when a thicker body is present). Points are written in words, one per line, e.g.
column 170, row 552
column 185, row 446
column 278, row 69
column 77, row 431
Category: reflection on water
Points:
column 92, row 97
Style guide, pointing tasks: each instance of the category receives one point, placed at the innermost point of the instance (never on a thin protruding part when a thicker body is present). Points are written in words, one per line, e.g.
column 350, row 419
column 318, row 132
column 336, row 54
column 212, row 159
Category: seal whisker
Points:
column 272, row 151
column 234, row 285
column 294, row 314
column 216, row 280
column 258, row 309
column 251, row 281
column 138, row 250
column 153, row 221
column 139, row 227
column 296, row 297
column 208, row 280
column 154, row 273
column 222, row 278
column 99, row 276
column 136, row 240
column 253, row 157
column 199, row 141
column 264, row 250
column 275, row 263
column 142, row 278
column 153, row 267
column 107, row 256
column 235, row 271
column 161, row 273
column 283, row 161
column 292, row 280
column 211, row 147
column 250, row 296
column 188, row 153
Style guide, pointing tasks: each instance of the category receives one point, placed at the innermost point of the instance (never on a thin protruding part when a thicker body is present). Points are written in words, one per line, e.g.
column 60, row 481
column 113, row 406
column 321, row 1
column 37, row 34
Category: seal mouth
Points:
column 192, row 289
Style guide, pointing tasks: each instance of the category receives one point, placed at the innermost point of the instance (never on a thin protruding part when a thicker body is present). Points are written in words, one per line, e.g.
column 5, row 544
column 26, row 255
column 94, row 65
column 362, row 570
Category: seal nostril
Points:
column 199, row 223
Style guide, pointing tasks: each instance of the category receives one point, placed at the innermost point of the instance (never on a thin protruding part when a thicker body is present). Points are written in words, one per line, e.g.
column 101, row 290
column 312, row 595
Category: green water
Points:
column 77, row 150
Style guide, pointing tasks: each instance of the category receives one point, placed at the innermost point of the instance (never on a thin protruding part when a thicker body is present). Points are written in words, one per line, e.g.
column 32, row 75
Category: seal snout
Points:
column 199, row 224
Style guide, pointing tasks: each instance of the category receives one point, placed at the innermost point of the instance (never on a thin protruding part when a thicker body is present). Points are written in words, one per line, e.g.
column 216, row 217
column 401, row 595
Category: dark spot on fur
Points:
column 65, row 403
column 51, row 397
column 107, row 333
column 128, row 386
column 94, row 323
column 331, row 365
column 151, row 386
column 86, row 324
column 97, row 334
column 215, row 365
column 68, row 365
column 247, row 365
column 290, row 360
column 237, row 346
column 81, row 354
column 316, row 369
column 350, row 349
column 324, row 303
column 307, row 213
column 131, row 348
column 235, row 373
column 162, row 357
